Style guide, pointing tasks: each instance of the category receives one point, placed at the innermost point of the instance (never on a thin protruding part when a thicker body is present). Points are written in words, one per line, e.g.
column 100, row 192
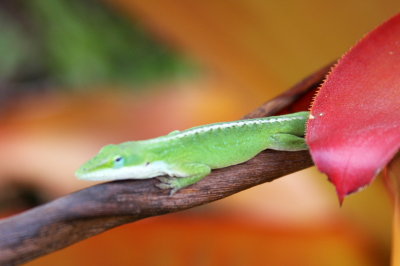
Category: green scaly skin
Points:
column 188, row 156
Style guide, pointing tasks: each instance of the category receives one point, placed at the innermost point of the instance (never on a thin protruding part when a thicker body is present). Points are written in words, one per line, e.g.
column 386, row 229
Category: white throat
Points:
column 129, row 172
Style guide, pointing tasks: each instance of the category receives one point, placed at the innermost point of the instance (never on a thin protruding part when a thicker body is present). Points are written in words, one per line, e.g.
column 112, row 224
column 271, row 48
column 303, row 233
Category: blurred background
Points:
column 78, row 74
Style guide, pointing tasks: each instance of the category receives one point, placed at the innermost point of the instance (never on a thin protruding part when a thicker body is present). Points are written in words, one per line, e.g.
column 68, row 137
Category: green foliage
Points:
column 13, row 49
column 80, row 43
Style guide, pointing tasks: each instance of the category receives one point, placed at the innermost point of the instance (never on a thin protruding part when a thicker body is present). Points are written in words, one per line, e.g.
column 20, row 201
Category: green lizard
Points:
column 188, row 156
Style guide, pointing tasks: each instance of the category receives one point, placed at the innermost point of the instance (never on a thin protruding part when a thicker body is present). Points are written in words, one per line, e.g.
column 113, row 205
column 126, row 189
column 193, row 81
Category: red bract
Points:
column 354, row 129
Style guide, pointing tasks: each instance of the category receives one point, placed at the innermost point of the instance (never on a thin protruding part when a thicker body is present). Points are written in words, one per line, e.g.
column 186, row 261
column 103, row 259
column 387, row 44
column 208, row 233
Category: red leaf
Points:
column 354, row 129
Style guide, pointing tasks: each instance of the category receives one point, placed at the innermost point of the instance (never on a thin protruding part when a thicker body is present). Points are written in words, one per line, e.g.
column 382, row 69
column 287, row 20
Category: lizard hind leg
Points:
column 194, row 172
column 287, row 142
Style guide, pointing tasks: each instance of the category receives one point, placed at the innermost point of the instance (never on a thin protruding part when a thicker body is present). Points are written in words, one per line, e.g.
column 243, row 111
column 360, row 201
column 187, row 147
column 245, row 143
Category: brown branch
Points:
column 96, row 209
column 307, row 86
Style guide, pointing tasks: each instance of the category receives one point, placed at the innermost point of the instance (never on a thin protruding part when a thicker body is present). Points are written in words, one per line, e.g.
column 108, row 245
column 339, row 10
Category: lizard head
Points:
column 114, row 162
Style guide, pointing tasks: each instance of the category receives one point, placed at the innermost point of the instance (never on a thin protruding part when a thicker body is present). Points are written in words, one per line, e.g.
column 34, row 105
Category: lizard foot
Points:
column 169, row 183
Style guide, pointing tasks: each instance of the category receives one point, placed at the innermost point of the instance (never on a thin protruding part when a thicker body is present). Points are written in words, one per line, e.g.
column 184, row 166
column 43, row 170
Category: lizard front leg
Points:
column 193, row 172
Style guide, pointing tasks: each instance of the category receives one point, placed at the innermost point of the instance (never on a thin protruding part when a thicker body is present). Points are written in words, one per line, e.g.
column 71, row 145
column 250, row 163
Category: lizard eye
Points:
column 118, row 162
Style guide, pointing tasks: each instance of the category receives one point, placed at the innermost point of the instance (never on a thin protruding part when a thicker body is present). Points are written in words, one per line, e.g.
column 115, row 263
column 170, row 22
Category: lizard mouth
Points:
column 128, row 172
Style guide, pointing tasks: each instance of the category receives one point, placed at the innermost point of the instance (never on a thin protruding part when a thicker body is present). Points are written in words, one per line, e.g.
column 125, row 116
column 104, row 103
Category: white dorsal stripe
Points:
column 240, row 123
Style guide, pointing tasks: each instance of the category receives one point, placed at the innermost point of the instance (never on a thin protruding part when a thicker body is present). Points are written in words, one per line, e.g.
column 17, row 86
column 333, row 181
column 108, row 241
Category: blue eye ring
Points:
column 119, row 162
